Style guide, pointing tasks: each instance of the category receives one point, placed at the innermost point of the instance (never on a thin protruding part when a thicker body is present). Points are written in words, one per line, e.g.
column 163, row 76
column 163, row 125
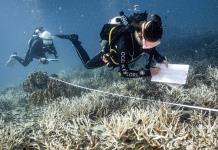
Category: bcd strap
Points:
column 112, row 50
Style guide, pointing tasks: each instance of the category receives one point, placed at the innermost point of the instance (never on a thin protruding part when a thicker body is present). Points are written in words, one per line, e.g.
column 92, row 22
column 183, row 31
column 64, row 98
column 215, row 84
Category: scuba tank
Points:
column 116, row 21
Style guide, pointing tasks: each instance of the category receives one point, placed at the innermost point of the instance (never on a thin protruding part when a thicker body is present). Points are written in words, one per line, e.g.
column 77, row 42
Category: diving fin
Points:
column 11, row 61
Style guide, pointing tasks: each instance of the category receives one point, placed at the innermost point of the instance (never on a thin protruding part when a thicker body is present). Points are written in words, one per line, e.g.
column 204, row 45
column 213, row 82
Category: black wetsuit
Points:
column 36, row 50
column 128, row 51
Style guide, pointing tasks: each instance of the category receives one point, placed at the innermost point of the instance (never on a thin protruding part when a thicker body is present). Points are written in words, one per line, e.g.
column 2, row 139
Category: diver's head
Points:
column 46, row 37
column 38, row 30
column 138, row 17
column 152, row 32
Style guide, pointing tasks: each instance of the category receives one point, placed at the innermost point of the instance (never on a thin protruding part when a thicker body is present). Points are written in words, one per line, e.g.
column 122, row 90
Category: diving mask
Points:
column 148, row 45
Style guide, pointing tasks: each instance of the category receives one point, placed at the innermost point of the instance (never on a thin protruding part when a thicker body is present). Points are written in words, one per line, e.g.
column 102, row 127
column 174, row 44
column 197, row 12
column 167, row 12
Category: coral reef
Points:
column 96, row 121
column 41, row 89
column 10, row 98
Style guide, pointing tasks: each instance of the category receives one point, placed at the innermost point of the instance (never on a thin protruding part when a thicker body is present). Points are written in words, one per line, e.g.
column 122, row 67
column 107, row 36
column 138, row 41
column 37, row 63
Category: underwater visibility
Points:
column 109, row 74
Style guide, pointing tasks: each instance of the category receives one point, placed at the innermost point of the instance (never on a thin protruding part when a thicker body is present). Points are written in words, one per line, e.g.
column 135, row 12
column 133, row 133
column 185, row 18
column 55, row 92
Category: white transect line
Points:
column 137, row 98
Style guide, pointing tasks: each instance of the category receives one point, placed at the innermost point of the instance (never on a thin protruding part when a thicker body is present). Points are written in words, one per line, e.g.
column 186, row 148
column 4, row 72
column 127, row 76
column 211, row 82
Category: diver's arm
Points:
column 154, row 55
column 52, row 50
column 157, row 56
column 33, row 43
column 124, row 69
column 31, row 40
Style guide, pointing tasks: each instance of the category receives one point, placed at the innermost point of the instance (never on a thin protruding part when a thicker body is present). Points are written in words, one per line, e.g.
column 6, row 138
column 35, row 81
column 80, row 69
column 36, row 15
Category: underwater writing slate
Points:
column 174, row 73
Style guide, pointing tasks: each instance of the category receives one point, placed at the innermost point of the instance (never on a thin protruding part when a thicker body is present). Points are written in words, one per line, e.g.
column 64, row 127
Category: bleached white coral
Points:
column 95, row 120
column 203, row 94
column 213, row 73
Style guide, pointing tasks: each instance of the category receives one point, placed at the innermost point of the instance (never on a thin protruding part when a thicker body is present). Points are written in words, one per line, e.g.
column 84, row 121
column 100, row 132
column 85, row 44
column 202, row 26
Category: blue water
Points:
column 20, row 17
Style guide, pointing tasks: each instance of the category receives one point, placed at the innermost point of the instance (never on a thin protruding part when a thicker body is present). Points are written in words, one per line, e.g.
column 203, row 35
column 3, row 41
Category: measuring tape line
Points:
column 137, row 98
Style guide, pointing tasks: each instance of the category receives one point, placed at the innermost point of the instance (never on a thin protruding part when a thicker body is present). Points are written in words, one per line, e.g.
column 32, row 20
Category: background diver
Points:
column 40, row 44
column 123, row 41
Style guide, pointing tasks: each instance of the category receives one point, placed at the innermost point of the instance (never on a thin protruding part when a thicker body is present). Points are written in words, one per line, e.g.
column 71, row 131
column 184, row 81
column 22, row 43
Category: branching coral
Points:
column 144, row 129
column 147, row 128
column 41, row 89
column 11, row 98
column 92, row 120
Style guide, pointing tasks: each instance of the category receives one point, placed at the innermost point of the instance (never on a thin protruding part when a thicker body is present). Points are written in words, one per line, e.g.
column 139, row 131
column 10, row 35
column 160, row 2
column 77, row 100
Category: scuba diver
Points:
column 124, row 40
column 40, row 44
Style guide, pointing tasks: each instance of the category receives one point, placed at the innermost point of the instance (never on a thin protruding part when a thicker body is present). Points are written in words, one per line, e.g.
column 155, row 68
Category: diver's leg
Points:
column 83, row 55
column 22, row 61
column 95, row 62
column 25, row 61
column 89, row 64
column 68, row 36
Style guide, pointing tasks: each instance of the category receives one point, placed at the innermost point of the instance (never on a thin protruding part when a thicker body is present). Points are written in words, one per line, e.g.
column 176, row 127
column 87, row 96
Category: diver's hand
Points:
column 154, row 71
column 44, row 60
column 105, row 58
column 165, row 62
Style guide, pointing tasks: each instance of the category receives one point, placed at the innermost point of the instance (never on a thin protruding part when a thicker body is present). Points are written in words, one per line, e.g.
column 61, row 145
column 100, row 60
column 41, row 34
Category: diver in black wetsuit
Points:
column 40, row 43
column 127, row 47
